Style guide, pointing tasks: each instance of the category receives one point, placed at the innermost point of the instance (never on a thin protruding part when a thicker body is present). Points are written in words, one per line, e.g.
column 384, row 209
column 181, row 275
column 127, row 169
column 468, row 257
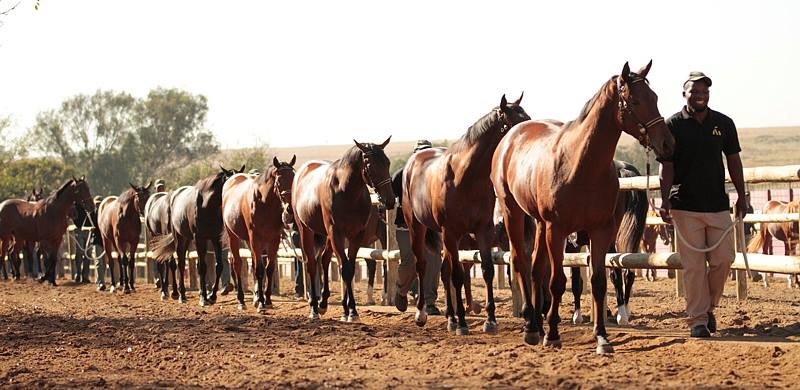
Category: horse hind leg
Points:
column 132, row 268
column 456, row 280
column 201, row 246
column 616, row 280
column 236, row 268
column 577, row 291
column 218, row 266
column 372, row 269
column 325, row 264
column 485, row 237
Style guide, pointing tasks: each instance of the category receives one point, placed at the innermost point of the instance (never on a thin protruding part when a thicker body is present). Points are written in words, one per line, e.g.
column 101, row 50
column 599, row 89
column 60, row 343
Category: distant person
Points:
column 407, row 270
column 695, row 202
column 160, row 185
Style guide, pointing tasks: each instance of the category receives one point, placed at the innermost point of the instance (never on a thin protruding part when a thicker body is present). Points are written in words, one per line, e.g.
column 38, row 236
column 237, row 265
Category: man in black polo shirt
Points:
column 694, row 199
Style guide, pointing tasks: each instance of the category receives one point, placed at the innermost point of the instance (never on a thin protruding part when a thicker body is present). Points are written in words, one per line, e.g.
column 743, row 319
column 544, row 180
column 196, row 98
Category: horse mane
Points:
column 126, row 196
column 607, row 91
column 57, row 193
column 474, row 132
column 208, row 182
column 351, row 158
column 266, row 177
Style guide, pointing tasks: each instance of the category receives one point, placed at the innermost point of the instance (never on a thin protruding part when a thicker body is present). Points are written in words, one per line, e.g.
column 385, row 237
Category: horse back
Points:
column 236, row 194
column 157, row 213
column 17, row 217
column 183, row 211
column 308, row 189
column 423, row 185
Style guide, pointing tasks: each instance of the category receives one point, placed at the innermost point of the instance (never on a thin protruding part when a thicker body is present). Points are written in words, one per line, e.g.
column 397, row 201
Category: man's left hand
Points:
column 741, row 207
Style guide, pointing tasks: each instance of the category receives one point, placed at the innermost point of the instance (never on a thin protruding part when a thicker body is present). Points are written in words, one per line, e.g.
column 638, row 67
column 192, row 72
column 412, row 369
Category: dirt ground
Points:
column 73, row 336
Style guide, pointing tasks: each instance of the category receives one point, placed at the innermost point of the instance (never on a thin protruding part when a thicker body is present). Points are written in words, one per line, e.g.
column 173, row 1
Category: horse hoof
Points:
column 451, row 325
column 462, row 331
column 603, row 346
column 132, row 289
column 622, row 315
column 490, row 327
column 113, row 289
column 126, row 291
column 532, row 338
column 420, row 318
column 475, row 307
column 577, row 318
column 163, row 297
column 203, row 303
column 556, row 343
column 353, row 318
column 370, row 301
column 261, row 309
column 175, row 296
column 242, row 307
column 401, row 302
column 322, row 310
column 314, row 315
column 343, row 318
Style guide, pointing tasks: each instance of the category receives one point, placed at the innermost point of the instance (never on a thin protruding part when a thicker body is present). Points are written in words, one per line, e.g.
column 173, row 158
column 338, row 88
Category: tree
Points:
column 17, row 178
column 169, row 132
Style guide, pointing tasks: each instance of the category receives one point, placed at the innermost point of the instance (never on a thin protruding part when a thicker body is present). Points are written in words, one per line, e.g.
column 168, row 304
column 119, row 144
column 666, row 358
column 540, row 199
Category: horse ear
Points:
column 625, row 74
column 74, row 179
column 149, row 185
column 275, row 162
column 83, row 177
column 241, row 169
column 383, row 145
column 294, row 160
column 646, row 69
column 133, row 186
column 518, row 101
column 360, row 146
column 503, row 101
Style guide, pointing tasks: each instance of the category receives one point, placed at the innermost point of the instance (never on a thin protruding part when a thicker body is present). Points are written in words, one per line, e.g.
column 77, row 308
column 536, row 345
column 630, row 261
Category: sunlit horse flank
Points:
column 449, row 191
column 44, row 222
column 118, row 220
column 788, row 232
column 27, row 248
column 331, row 205
column 252, row 211
column 565, row 178
column 156, row 218
column 195, row 216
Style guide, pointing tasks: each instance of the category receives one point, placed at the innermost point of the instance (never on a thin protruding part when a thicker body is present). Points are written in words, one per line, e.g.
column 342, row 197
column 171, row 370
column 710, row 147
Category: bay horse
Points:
column 788, row 232
column 14, row 262
column 156, row 219
column 565, row 178
column 448, row 191
column 120, row 228
column 252, row 211
column 331, row 205
column 195, row 216
column 651, row 234
column 44, row 221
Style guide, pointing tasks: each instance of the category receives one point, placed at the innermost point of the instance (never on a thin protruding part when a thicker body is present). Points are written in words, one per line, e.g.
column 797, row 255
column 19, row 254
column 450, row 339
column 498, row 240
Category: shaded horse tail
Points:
column 756, row 243
column 163, row 247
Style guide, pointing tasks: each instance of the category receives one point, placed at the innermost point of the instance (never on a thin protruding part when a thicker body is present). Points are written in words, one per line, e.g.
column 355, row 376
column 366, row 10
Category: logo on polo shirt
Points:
column 716, row 131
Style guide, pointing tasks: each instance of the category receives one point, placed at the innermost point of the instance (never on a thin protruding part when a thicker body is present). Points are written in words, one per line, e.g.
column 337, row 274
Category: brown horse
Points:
column 120, row 228
column 195, row 216
column 331, row 205
column 156, row 218
column 449, row 191
column 14, row 263
column 566, row 179
column 252, row 210
column 783, row 231
column 44, row 221
column 651, row 234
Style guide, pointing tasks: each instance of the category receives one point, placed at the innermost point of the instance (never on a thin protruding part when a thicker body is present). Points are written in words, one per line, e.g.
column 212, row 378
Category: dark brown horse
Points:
column 195, row 216
column 156, row 218
column 44, row 221
column 449, row 191
column 331, row 205
column 27, row 248
column 120, row 227
column 252, row 211
column 565, row 178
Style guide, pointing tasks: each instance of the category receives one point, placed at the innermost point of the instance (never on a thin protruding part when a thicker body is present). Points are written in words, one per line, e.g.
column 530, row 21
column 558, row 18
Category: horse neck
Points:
column 592, row 143
column 265, row 192
column 351, row 178
column 129, row 208
column 58, row 206
column 476, row 160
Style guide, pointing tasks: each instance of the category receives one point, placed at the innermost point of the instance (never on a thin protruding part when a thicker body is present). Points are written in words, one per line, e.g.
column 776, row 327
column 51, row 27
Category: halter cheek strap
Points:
column 368, row 178
column 624, row 108
column 276, row 188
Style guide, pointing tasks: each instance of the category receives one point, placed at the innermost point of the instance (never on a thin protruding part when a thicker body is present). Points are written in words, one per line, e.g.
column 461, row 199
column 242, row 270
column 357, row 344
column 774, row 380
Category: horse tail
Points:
column 757, row 242
column 634, row 221
column 163, row 247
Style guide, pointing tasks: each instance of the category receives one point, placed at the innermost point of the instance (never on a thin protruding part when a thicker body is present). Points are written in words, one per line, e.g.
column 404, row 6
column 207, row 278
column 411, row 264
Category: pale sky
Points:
column 291, row 73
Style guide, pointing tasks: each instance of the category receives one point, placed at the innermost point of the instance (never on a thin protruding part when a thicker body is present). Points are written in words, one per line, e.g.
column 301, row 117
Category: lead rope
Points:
column 738, row 224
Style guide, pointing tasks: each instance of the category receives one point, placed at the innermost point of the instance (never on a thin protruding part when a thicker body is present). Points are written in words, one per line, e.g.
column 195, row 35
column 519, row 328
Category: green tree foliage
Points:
column 17, row 178
column 252, row 158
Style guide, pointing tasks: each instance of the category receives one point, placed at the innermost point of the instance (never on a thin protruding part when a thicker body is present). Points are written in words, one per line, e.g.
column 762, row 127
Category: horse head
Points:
column 284, row 176
column 376, row 171
column 140, row 196
column 638, row 112
column 81, row 193
column 509, row 115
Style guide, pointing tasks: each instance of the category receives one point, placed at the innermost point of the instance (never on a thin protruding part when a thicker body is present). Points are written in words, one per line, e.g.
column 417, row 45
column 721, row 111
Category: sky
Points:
column 294, row 73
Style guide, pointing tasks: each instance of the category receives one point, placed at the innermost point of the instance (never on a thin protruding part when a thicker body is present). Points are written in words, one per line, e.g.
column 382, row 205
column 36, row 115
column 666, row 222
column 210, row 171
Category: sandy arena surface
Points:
column 73, row 336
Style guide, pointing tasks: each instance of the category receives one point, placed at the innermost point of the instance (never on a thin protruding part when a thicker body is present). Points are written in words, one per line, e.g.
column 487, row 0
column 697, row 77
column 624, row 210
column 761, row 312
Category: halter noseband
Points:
column 365, row 172
column 624, row 108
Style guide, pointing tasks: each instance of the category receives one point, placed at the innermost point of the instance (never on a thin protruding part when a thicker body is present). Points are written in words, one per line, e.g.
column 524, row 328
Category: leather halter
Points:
column 365, row 173
column 625, row 109
column 276, row 188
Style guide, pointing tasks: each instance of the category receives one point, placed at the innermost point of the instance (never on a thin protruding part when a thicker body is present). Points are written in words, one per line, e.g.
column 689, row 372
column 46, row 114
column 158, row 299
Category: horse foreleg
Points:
column 352, row 252
column 485, row 238
column 173, row 269
column 132, row 267
column 218, row 266
column 450, row 241
column 163, row 274
column 616, row 280
column 325, row 262
column 372, row 268
column 468, row 306
column 336, row 241
column 416, row 234
column 558, row 281
column 123, row 271
column 310, row 256
column 600, row 242
column 577, row 291
column 180, row 248
column 539, row 275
